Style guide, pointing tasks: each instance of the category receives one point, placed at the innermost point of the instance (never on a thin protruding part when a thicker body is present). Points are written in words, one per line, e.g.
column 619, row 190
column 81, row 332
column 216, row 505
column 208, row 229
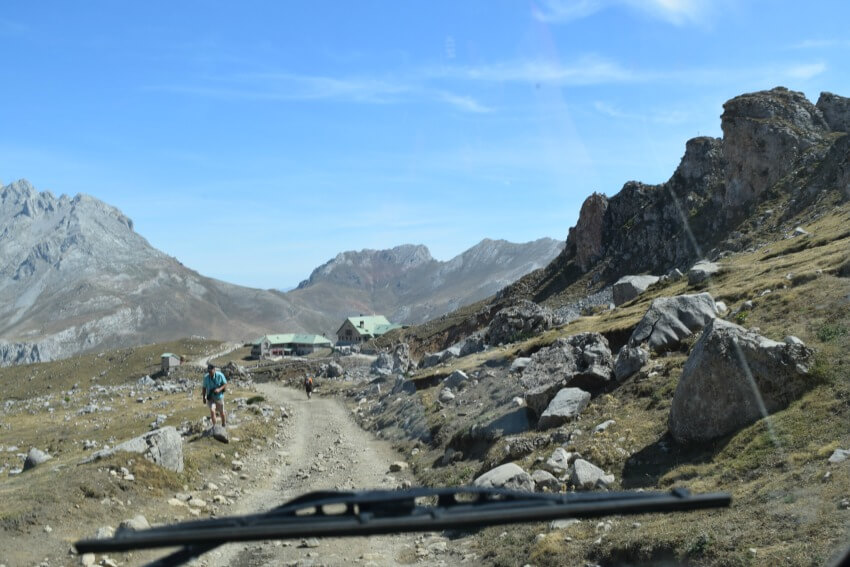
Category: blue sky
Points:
column 255, row 140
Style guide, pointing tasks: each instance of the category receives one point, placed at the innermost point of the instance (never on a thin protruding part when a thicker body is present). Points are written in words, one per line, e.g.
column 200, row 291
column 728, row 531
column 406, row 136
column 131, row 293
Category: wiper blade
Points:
column 331, row 513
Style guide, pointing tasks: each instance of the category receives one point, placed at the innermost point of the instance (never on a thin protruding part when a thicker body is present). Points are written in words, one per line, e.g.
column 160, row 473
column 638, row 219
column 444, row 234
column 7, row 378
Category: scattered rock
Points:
column 715, row 395
column 675, row 275
column 545, row 481
column 629, row 287
column 34, row 458
column 603, row 426
column 839, row 456
column 519, row 364
column 671, row 319
column 559, row 462
column 446, row 396
column 134, row 524
column 565, row 406
column 586, row 475
column 456, row 380
column 799, row 231
column 629, row 360
column 509, row 475
column 219, row 433
column 701, row 271
column 398, row 466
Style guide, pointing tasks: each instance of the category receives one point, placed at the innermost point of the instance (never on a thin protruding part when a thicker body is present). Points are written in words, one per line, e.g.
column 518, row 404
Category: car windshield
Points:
column 252, row 251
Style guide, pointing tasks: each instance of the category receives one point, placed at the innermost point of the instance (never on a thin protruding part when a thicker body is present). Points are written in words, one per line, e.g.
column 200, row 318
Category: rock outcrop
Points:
column 522, row 320
column 764, row 134
column 585, row 238
column 835, row 110
column 732, row 378
column 580, row 361
column 564, row 407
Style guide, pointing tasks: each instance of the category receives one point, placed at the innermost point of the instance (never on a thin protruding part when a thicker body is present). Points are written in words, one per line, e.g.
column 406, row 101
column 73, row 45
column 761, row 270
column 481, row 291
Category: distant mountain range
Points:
column 75, row 276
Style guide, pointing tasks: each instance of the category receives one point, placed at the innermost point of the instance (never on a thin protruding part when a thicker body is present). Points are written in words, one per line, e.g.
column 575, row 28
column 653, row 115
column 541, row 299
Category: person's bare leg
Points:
column 212, row 415
column 220, row 407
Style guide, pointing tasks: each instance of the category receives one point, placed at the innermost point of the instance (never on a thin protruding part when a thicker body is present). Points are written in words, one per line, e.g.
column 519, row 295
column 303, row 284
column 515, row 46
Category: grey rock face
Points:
column 163, row 447
column 582, row 361
column 702, row 271
column 585, row 239
column 670, row 319
column 731, row 377
column 839, row 456
column 764, row 134
column 524, row 319
column 435, row 358
column 586, row 475
column 34, row 458
column 509, row 475
column 401, row 358
column 564, row 407
column 835, row 110
column 629, row 287
column 629, row 360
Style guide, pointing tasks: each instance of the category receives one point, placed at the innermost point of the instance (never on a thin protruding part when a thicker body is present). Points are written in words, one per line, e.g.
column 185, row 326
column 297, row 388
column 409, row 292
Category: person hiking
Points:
column 213, row 393
column 308, row 385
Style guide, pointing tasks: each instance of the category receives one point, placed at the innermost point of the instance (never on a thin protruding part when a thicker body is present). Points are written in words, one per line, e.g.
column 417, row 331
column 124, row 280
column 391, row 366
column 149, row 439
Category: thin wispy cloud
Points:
column 675, row 12
column 807, row 71
column 663, row 117
column 295, row 87
column 589, row 70
column 822, row 44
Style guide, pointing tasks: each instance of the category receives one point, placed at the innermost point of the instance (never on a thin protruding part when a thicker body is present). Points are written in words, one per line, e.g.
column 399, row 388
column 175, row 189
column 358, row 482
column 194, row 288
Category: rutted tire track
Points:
column 321, row 448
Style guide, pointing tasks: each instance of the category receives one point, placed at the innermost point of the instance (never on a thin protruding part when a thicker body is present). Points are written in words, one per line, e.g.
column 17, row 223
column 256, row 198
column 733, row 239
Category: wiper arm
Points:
column 323, row 514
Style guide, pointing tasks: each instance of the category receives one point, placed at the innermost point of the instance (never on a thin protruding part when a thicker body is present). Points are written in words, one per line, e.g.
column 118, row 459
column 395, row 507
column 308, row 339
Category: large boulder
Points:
column 163, row 447
column 732, row 378
column 629, row 287
column 524, row 319
column 671, row 319
column 472, row 344
column 582, row 361
column 509, row 475
column 435, row 358
column 334, row 370
column 564, row 407
column 34, row 458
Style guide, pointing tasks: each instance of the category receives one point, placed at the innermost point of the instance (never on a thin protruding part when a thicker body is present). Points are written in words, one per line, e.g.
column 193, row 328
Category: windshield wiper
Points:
column 331, row 513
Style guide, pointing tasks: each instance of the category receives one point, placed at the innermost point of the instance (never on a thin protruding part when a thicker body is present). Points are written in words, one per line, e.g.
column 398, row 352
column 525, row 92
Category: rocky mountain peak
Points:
column 764, row 134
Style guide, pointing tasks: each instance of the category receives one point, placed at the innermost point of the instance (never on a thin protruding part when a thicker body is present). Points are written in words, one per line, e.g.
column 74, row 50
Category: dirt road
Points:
column 320, row 447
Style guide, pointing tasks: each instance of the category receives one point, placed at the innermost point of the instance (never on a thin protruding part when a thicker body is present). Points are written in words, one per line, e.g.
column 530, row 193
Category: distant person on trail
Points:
column 308, row 385
column 213, row 391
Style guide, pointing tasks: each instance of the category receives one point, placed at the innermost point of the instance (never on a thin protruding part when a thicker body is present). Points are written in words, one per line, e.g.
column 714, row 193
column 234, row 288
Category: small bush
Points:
column 255, row 400
column 831, row 331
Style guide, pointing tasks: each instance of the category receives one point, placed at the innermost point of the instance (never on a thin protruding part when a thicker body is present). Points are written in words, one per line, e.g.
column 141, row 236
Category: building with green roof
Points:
column 288, row 344
column 357, row 330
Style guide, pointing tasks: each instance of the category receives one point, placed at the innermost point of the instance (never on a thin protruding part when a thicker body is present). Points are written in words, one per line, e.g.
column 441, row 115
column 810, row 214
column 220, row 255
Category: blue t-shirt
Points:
column 212, row 382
